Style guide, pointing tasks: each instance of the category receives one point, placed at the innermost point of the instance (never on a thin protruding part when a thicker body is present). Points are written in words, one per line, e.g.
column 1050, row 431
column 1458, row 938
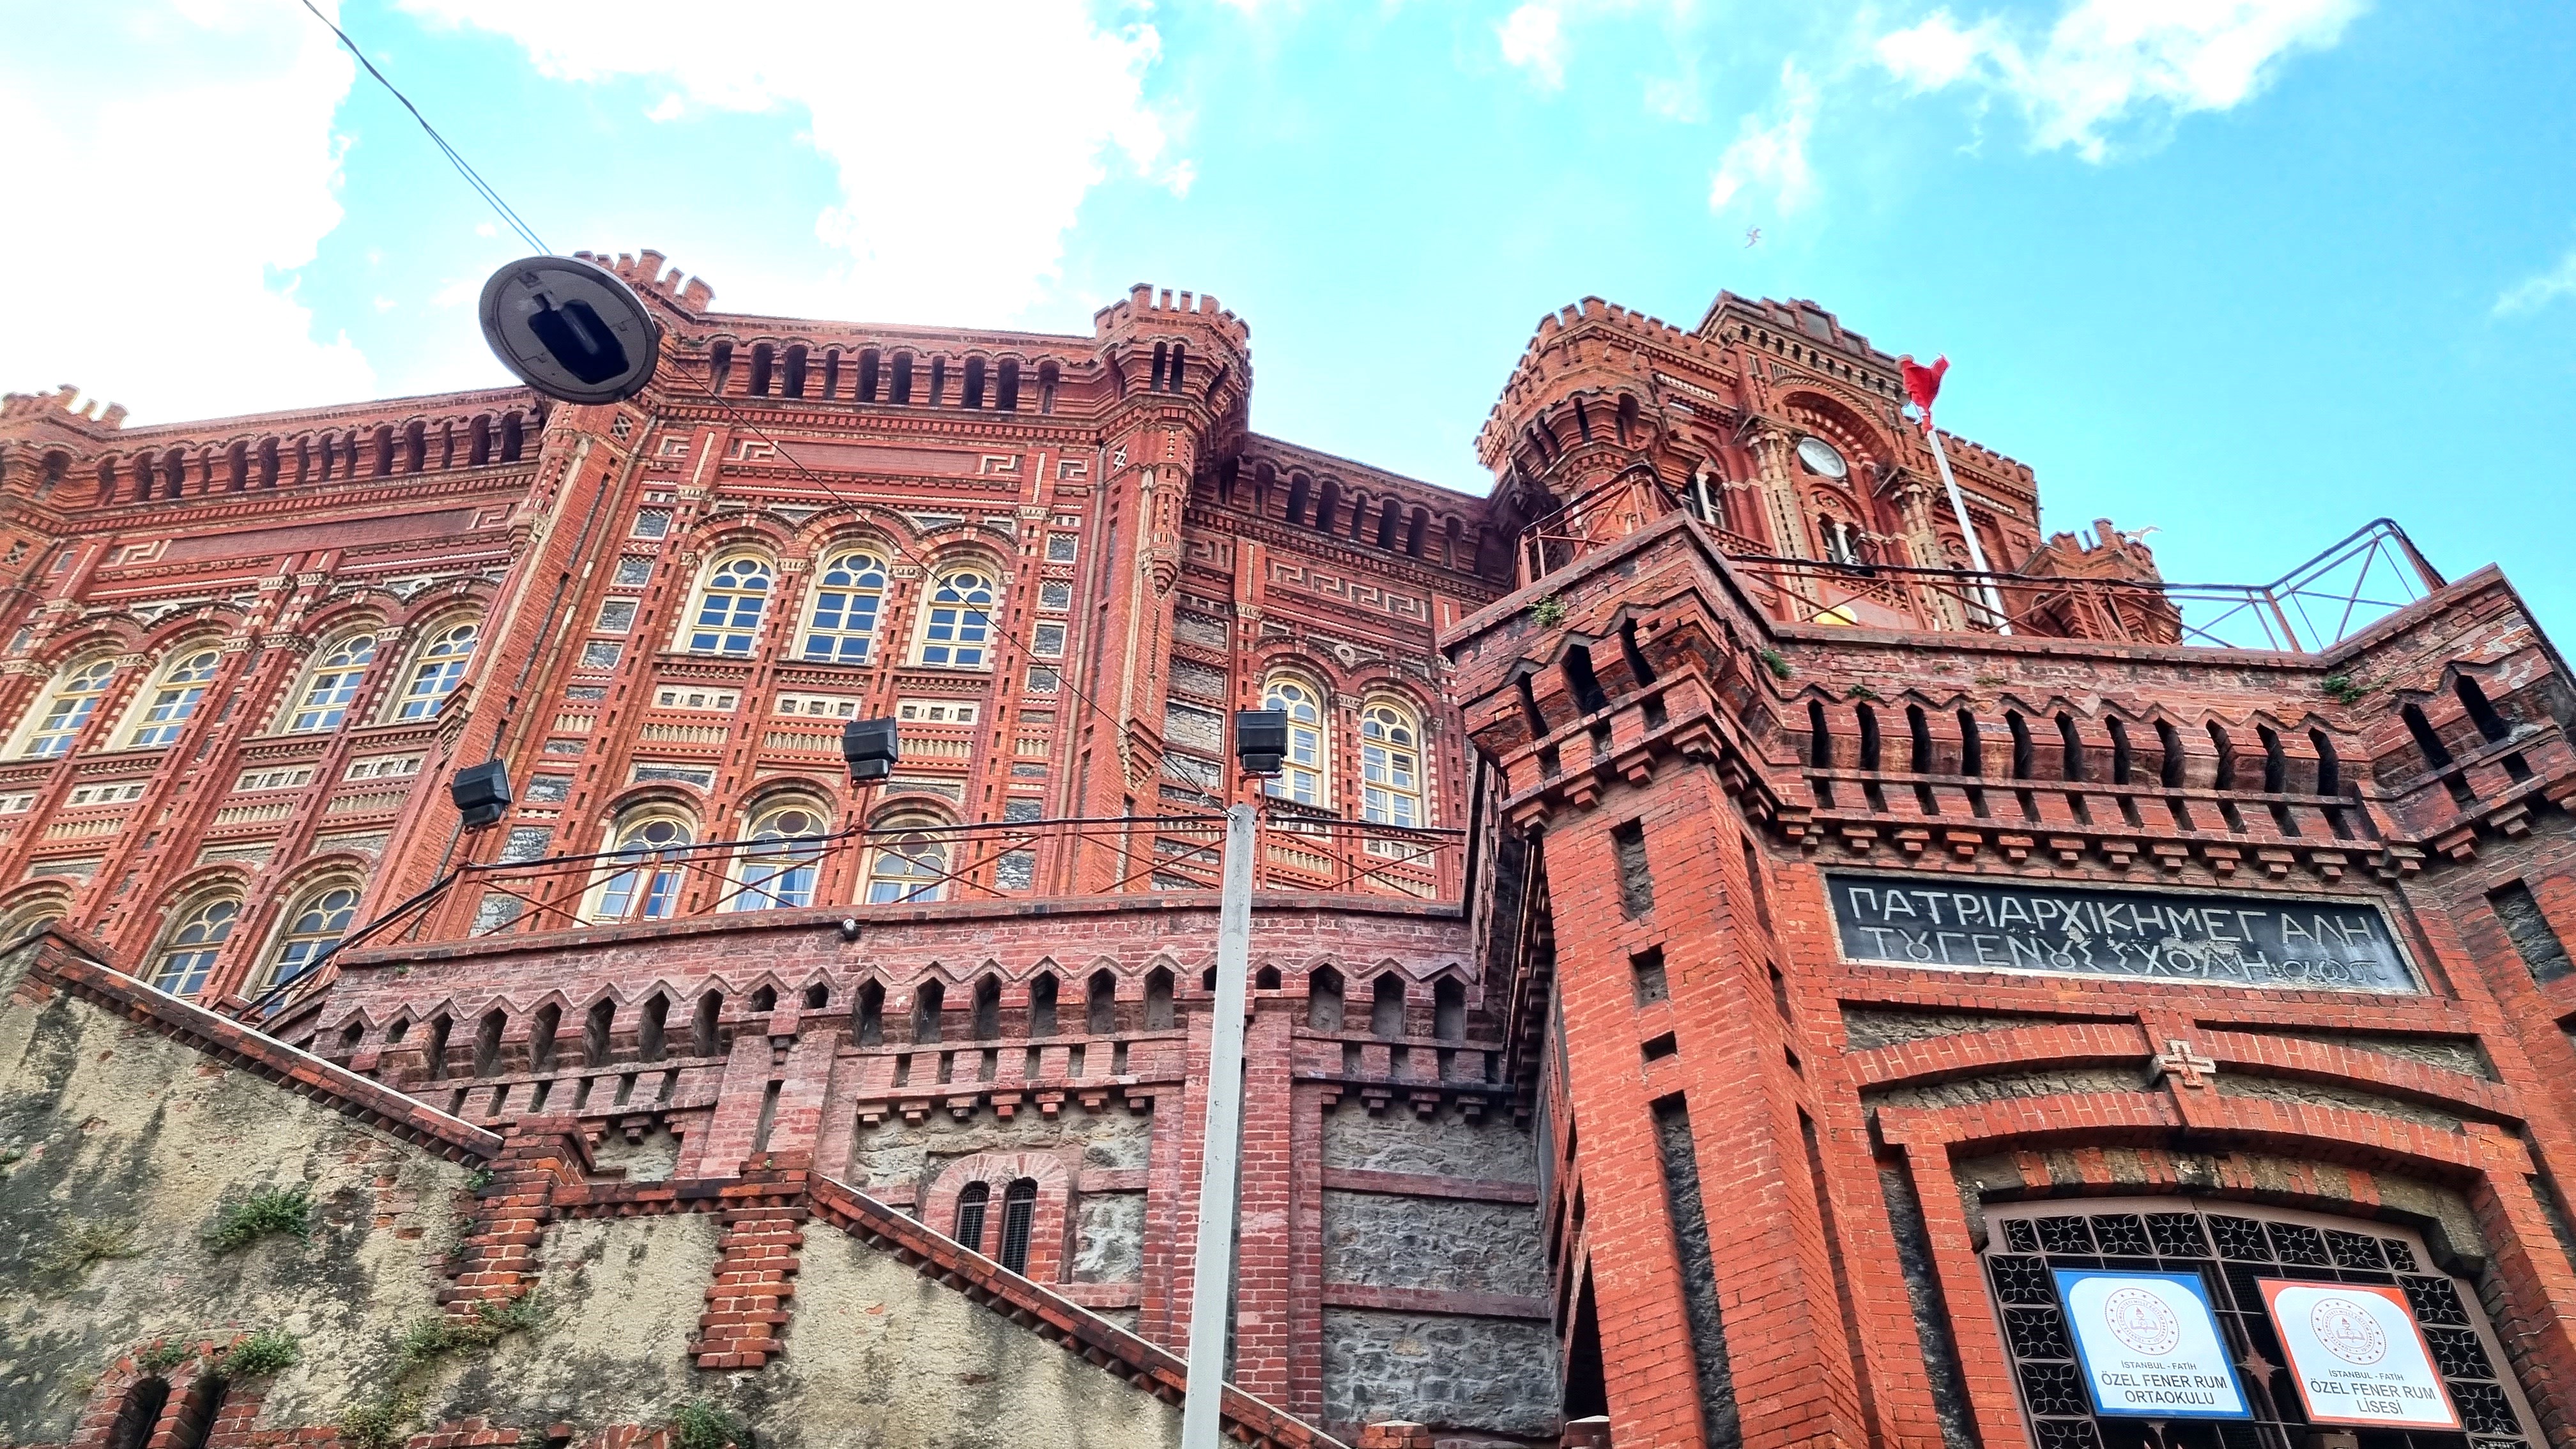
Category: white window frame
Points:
column 437, row 667
column 162, row 711
column 725, row 587
column 332, row 685
column 1306, row 771
column 961, row 632
column 865, row 593
column 54, row 724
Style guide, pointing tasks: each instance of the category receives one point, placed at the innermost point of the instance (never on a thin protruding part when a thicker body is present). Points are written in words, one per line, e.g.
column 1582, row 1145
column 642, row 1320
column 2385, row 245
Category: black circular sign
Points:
column 570, row 329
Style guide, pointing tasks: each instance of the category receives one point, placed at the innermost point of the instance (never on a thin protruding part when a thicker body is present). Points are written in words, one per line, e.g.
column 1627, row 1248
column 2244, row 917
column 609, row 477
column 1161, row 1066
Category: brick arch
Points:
column 115, row 634
column 1852, row 434
column 1050, row 1226
column 213, row 620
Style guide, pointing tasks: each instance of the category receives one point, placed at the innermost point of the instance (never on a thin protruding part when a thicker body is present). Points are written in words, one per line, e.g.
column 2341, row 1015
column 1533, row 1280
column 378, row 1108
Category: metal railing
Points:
column 854, row 871
column 2364, row 577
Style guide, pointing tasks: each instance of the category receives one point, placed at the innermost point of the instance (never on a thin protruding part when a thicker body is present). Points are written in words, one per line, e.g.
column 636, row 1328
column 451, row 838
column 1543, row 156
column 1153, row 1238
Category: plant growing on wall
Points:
column 1776, row 662
column 699, row 1424
column 268, row 1210
column 264, row 1352
column 2343, row 688
column 90, row 1243
column 1549, row 612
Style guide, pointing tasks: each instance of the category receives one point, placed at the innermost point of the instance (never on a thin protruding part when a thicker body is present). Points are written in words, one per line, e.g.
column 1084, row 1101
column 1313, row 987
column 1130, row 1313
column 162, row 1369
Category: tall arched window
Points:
column 957, row 628
column 1301, row 776
column 74, row 698
column 729, row 606
column 1019, row 1214
column 334, row 685
column 314, row 925
column 1390, row 765
column 972, row 1200
column 907, row 866
column 188, row 954
column 848, row 594
column 642, row 885
column 436, row 669
column 174, row 697
column 780, row 855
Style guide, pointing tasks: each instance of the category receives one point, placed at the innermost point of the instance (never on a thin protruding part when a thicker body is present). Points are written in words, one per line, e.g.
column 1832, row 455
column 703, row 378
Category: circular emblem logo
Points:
column 2141, row 1321
column 2348, row 1331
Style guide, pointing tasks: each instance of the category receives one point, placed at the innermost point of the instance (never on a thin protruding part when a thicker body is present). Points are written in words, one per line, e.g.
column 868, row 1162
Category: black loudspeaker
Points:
column 870, row 747
column 1260, row 739
column 481, row 792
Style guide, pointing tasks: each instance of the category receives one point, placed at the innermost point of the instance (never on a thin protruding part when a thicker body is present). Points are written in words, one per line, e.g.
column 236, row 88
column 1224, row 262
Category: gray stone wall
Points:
column 1999, row 1086
column 1445, row 1146
column 896, row 1153
column 1476, row 1373
column 1454, row 1246
column 1109, row 1238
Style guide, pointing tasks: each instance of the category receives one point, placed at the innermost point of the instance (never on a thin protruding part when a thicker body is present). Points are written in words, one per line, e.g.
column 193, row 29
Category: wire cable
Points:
column 472, row 177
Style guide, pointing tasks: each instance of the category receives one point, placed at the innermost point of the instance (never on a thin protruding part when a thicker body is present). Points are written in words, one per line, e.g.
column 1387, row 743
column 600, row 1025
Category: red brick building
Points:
column 1609, row 1054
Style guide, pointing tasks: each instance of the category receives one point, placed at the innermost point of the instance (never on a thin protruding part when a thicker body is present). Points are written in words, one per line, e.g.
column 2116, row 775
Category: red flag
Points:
column 1923, row 384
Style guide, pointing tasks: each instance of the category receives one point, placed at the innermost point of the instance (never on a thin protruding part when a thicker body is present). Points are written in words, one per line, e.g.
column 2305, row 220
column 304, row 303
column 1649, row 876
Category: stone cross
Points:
column 2180, row 1061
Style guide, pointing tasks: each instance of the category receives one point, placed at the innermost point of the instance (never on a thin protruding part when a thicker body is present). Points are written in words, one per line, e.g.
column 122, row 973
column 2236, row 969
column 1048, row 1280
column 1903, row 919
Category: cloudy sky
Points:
column 2250, row 271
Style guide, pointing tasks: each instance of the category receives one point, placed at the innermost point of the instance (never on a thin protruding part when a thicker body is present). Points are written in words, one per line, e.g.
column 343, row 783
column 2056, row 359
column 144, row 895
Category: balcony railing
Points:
column 2365, row 577
column 860, row 871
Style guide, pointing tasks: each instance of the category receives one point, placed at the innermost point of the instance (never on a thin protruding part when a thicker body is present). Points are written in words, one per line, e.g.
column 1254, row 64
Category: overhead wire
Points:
column 472, row 177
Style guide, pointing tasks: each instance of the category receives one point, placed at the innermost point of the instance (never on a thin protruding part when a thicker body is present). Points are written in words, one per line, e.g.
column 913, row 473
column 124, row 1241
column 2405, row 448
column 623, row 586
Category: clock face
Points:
column 1820, row 457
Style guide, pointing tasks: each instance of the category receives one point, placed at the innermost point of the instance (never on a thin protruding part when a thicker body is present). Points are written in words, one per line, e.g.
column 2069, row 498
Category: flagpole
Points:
column 1967, row 531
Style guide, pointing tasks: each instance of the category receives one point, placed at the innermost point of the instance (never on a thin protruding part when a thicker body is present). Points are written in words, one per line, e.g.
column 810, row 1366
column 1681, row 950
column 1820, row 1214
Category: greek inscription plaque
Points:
column 2284, row 943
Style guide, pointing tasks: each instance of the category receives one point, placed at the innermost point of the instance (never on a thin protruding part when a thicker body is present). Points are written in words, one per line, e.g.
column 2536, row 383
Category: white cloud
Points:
column 1770, row 150
column 184, row 167
column 2534, row 293
column 965, row 136
column 2106, row 62
column 1533, row 38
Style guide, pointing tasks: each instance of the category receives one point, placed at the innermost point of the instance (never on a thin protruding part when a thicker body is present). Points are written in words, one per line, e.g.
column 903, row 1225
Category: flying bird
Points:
column 1752, row 235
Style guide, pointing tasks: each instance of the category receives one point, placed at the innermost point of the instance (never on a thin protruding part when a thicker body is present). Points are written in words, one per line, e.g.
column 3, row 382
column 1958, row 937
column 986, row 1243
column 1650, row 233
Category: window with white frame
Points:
column 196, row 937
column 114, row 792
column 849, row 594
column 616, row 616
column 652, row 523
column 1303, row 772
column 781, row 854
column 819, row 706
column 1390, row 765
column 706, row 699
column 333, row 685
column 908, row 864
column 173, row 698
column 1055, row 596
column 1047, row 641
column 314, row 924
column 375, row 767
column 935, row 711
column 68, row 706
column 957, row 628
column 17, row 802
column 436, row 669
column 1060, row 547
column 730, row 604
column 642, row 882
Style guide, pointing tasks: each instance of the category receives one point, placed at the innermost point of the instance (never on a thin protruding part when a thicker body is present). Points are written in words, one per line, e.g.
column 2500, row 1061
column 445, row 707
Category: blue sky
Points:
column 2250, row 271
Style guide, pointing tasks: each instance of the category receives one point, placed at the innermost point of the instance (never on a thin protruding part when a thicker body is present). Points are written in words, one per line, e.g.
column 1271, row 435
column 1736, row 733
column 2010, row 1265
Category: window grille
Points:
column 970, row 1214
column 2231, row 1246
column 1019, row 1211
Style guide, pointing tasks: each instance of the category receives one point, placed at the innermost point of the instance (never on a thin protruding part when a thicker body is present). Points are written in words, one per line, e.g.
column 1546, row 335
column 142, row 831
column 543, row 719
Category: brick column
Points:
column 498, row 1260
column 1263, row 1247
column 764, row 1217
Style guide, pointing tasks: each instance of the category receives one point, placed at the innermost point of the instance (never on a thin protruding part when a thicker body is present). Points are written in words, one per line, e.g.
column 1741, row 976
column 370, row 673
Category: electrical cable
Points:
column 472, row 177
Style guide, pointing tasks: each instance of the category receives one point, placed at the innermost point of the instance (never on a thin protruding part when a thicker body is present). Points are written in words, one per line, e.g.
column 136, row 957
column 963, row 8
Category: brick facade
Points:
column 1544, row 949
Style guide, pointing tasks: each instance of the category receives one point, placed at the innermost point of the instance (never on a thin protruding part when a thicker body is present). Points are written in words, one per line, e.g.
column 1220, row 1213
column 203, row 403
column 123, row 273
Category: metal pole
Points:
column 1212, row 1272
column 1968, row 532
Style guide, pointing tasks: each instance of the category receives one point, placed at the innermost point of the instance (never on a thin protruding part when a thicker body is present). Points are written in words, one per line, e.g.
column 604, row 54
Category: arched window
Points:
column 957, row 628
column 173, row 699
column 849, row 592
column 972, row 1200
column 436, row 669
column 907, row 866
column 1019, row 1213
column 641, row 884
column 780, row 855
column 197, row 935
column 1390, row 767
column 729, row 606
column 1302, row 771
column 314, row 925
column 31, row 916
column 74, row 698
column 334, row 685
